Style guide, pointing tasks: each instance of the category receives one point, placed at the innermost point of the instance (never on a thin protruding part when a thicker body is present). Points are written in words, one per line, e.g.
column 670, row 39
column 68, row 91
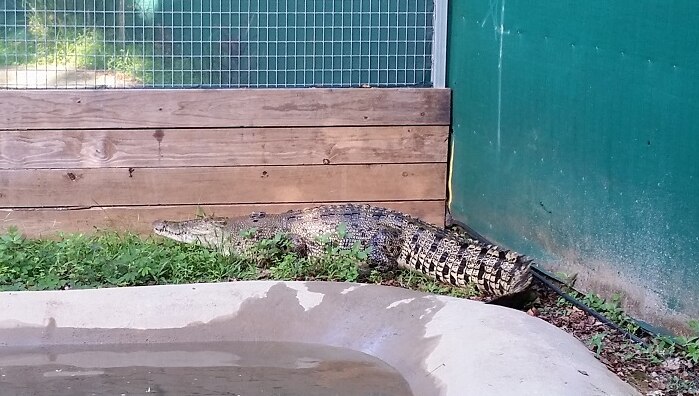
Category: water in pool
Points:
column 238, row 368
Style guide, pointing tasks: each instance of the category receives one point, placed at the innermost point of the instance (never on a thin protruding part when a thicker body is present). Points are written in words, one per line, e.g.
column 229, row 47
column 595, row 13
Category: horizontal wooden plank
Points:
column 46, row 222
column 222, row 108
column 222, row 147
column 221, row 185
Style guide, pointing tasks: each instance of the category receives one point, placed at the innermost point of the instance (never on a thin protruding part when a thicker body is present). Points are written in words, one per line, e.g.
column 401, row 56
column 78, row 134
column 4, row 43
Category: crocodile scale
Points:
column 395, row 240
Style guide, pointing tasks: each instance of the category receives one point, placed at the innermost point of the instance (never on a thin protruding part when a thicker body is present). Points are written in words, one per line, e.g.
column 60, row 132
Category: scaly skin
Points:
column 395, row 239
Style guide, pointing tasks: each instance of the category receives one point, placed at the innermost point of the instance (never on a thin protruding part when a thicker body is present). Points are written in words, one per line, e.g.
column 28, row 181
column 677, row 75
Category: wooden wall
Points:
column 80, row 160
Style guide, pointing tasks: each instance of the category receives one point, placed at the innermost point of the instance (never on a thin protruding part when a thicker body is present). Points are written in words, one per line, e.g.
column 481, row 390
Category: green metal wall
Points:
column 576, row 140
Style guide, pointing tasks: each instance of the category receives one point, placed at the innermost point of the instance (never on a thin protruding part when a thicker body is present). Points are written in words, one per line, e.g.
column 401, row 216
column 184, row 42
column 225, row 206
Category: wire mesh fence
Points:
column 215, row 43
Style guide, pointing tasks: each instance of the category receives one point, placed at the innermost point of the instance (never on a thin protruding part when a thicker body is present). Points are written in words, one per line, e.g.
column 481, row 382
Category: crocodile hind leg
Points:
column 385, row 247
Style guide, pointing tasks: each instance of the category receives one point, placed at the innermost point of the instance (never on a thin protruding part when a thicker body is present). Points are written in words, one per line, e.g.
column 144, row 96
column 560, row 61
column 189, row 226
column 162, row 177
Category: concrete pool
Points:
column 285, row 338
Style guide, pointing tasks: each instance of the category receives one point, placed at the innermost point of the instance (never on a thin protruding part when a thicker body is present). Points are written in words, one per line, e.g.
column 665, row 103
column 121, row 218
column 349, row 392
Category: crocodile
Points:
column 393, row 240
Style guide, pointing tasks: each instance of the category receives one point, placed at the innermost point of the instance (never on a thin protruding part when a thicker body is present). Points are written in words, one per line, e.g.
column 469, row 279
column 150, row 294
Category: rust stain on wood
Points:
column 73, row 177
column 159, row 134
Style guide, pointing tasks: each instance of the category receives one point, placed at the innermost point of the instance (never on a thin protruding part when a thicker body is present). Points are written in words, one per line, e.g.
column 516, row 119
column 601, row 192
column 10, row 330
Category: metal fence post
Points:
column 439, row 43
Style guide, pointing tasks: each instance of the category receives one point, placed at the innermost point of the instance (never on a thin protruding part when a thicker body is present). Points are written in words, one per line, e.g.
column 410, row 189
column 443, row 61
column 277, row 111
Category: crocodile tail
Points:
column 521, row 277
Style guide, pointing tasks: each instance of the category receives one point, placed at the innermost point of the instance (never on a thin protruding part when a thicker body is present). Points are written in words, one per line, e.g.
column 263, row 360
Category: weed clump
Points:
column 111, row 259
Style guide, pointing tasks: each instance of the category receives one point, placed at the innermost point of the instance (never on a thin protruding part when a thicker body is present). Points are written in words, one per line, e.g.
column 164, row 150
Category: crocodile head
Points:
column 221, row 233
column 206, row 231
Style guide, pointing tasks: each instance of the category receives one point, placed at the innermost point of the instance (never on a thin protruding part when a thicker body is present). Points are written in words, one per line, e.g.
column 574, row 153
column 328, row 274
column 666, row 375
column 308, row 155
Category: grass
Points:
column 87, row 49
column 78, row 49
column 110, row 259
column 415, row 281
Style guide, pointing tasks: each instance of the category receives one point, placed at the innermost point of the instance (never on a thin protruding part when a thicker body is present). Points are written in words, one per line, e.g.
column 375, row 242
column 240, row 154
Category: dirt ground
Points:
column 51, row 76
column 652, row 376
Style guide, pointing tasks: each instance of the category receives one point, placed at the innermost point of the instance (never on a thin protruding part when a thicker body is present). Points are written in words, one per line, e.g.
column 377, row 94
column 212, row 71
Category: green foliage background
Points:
column 214, row 43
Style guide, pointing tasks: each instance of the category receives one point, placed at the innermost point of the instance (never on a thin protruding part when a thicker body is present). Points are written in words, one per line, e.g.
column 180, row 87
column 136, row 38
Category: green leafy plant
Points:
column 690, row 344
column 681, row 386
column 336, row 263
column 665, row 346
column 611, row 309
column 266, row 252
column 597, row 342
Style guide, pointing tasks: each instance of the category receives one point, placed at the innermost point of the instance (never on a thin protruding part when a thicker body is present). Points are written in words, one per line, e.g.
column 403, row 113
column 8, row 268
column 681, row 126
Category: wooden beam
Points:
column 221, row 185
column 47, row 222
column 222, row 147
column 222, row 108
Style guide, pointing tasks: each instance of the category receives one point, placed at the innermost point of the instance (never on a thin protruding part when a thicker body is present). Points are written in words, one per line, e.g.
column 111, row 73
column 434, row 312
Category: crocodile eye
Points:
column 256, row 216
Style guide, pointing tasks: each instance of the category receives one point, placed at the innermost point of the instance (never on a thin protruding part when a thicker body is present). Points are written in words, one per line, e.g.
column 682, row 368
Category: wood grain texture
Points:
column 221, row 185
column 225, row 108
column 47, row 222
column 222, row 147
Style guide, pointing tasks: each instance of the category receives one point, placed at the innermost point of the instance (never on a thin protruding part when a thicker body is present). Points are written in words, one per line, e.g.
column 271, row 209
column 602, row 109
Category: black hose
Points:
column 543, row 279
